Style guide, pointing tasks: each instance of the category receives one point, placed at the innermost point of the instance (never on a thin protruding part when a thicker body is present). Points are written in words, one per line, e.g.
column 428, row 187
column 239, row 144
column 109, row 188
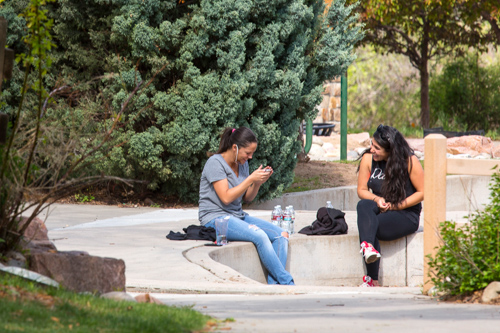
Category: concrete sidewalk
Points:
column 160, row 266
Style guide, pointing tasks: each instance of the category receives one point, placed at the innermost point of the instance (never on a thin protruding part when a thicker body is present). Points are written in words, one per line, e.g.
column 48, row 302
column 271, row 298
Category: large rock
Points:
column 36, row 235
column 361, row 139
column 495, row 152
column 147, row 298
column 80, row 272
column 119, row 296
column 471, row 144
column 491, row 292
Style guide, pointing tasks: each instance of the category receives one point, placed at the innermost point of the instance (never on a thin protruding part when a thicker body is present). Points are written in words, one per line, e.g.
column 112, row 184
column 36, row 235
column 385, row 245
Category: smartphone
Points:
column 267, row 170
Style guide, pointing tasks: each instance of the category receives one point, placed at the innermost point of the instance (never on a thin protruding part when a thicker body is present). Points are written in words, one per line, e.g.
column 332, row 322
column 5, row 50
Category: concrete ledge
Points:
column 463, row 193
column 322, row 260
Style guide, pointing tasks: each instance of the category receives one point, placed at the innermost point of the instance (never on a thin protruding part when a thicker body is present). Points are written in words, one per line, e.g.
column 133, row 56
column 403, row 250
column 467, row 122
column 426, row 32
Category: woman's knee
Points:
column 285, row 234
column 365, row 204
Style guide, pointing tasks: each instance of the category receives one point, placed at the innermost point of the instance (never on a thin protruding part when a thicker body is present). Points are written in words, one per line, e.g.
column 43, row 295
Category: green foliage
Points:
column 466, row 96
column 383, row 89
column 83, row 198
column 49, row 144
column 29, row 307
column 469, row 258
column 17, row 167
column 421, row 31
column 212, row 64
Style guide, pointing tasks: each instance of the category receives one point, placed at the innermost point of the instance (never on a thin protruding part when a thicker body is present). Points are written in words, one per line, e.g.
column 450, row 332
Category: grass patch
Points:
column 28, row 307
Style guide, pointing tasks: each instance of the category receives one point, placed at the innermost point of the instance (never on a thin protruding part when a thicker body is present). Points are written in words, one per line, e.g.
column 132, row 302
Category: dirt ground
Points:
column 321, row 174
column 308, row 176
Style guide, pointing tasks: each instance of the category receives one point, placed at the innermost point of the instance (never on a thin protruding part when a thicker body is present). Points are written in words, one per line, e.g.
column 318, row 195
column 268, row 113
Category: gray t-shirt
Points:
column 210, row 206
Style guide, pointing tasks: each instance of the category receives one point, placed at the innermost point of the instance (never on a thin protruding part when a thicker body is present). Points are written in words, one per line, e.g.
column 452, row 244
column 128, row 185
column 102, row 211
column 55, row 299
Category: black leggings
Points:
column 374, row 226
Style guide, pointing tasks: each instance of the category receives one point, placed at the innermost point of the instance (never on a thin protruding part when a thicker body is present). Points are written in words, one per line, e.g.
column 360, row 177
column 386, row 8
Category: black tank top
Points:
column 375, row 184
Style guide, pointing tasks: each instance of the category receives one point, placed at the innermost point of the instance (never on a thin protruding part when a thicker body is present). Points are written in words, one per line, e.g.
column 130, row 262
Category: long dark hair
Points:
column 242, row 137
column 396, row 171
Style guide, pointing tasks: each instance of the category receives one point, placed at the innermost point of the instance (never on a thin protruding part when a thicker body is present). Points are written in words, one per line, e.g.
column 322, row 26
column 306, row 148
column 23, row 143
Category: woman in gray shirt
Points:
column 225, row 182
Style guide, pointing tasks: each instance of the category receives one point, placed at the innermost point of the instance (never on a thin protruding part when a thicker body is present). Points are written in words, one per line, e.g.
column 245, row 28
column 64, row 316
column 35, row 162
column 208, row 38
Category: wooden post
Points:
column 434, row 198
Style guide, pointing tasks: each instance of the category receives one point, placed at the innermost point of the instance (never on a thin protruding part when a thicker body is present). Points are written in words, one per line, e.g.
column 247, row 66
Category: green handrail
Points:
column 309, row 135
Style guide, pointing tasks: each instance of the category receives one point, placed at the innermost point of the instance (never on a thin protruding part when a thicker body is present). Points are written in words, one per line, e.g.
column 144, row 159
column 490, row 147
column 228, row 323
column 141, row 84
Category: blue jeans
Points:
column 271, row 246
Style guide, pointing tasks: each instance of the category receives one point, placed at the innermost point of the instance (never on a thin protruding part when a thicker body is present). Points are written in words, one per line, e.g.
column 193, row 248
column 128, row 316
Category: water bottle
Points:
column 287, row 220
column 329, row 204
column 280, row 215
column 276, row 216
column 292, row 224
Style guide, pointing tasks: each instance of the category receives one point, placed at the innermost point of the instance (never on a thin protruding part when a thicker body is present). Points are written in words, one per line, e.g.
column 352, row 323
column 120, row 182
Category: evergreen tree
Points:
column 214, row 64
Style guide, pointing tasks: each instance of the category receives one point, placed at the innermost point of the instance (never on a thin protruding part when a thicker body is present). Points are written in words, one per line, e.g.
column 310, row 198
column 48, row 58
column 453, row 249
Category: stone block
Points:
column 337, row 115
column 325, row 260
column 336, row 90
column 333, row 103
column 324, row 115
column 415, row 259
column 392, row 272
column 331, row 114
column 325, row 102
column 80, row 272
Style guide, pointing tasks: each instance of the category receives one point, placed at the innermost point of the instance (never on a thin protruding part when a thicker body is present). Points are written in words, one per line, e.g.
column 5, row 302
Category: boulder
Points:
column 471, row 144
column 119, row 296
column 80, row 272
column 329, row 147
column 495, row 152
column 36, row 235
column 316, row 140
column 362, row 139
column 147, row 298
column 16, row 259
column 491, row 292
column 316, row 151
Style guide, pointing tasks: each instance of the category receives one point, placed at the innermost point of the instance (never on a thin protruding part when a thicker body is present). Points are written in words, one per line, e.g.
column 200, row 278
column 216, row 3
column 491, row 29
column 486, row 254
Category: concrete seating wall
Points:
column 335, row 260
column 464, row 193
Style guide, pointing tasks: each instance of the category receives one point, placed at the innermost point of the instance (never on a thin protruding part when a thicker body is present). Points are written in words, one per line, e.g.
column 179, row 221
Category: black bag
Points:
column 329, row 221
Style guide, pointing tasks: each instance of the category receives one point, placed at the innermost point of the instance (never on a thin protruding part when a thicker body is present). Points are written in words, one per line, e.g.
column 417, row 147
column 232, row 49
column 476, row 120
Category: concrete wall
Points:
column 332, row 260
column 463, row 193
column 335, row 260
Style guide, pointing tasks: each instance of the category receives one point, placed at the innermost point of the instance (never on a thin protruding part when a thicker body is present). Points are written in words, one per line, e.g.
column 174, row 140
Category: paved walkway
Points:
column 158, row 265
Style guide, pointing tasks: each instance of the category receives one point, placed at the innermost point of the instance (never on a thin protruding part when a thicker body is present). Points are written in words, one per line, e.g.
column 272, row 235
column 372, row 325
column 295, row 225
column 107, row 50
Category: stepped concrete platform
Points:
column 322, row 260
column 155, row 263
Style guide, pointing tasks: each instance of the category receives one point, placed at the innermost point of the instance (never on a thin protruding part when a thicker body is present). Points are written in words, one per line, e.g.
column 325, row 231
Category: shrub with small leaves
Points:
column 469, row 258
column 217, row 64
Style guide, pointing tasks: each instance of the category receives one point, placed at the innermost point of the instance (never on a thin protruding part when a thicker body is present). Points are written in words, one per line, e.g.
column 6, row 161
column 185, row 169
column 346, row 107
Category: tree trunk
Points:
column 424, row 77
column 424, row 94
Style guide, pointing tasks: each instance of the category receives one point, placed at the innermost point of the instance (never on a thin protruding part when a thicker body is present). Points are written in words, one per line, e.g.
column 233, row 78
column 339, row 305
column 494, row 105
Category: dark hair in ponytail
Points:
column 396, row 171
column 242, row 137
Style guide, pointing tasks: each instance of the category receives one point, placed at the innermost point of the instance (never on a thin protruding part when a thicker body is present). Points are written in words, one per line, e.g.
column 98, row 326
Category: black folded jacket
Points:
column 195, row 232
column 329, row 221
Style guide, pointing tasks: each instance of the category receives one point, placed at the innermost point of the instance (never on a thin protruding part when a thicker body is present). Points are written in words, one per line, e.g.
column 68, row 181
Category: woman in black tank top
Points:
column 391, row 189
